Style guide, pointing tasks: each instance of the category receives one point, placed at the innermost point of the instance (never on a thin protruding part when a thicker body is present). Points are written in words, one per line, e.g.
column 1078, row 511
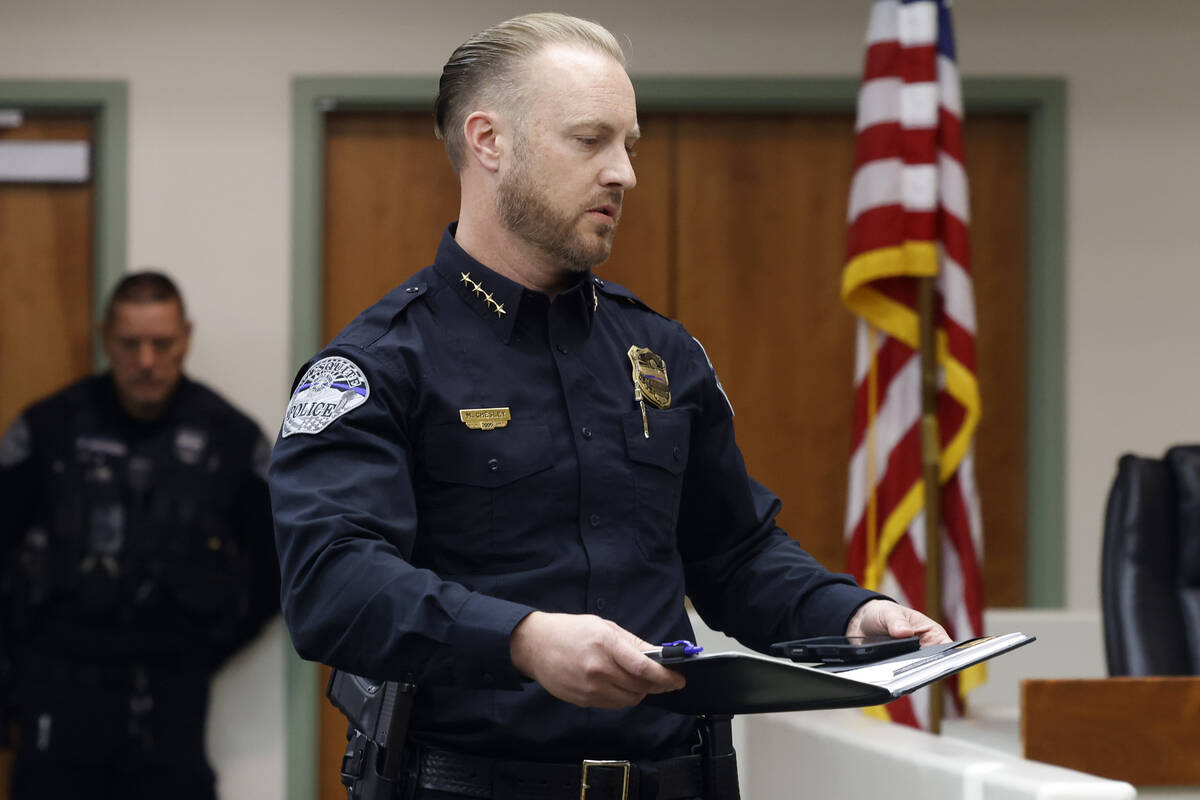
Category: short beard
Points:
column 524, row 211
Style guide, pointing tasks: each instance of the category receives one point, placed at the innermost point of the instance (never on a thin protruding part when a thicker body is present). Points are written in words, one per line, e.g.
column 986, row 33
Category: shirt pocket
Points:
column 658, row 463
column 480, row 487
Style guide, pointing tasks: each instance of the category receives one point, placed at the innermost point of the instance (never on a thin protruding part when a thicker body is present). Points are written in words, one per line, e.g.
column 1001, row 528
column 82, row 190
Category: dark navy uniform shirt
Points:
column 411, row 543
column 135, row 542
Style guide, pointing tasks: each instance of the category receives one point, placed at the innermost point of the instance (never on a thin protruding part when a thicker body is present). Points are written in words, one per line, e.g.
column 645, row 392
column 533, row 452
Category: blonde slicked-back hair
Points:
column 486, row 69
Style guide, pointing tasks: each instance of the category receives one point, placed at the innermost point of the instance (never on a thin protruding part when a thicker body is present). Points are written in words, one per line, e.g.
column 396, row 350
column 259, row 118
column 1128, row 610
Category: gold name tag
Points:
column 484, row 419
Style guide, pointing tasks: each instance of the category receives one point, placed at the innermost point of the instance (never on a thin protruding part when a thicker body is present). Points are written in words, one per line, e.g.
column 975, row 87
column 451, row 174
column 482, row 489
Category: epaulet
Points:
column 406, row 292
column 619, row 292
column 379, row 318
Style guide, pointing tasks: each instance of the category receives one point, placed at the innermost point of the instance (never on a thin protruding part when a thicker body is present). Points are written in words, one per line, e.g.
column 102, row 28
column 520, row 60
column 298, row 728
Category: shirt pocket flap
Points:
column 667, row 445
column 457, row 454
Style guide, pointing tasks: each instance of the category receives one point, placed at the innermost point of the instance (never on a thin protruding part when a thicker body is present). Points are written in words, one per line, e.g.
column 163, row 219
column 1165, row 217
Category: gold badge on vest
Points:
column 484, row 419
column 649, row 381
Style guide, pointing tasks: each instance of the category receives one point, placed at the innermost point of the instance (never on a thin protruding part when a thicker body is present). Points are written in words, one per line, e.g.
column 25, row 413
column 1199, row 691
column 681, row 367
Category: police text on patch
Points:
column 330, row 388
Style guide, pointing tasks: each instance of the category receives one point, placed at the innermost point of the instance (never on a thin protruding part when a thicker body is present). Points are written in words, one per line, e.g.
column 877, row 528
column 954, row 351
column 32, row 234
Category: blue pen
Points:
column 680, row 648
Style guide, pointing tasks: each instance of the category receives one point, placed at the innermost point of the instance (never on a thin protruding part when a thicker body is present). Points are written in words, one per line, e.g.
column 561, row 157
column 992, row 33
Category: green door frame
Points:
column 109, row 101
column 1043, row 100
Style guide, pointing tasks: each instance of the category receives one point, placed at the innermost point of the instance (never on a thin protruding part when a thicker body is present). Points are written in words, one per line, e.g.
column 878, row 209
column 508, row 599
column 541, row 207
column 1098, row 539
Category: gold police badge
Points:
column 649, row 381
column 650, row 376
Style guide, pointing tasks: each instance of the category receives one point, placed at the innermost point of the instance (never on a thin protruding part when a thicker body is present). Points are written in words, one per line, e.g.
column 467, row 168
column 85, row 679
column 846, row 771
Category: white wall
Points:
column 209, row 164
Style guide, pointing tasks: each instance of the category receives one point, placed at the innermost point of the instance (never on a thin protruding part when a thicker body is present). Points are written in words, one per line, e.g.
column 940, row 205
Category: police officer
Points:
column 502, row 479
column 137, row 555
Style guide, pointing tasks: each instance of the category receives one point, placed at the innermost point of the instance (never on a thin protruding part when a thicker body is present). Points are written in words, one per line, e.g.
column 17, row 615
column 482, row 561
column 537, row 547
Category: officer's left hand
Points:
column 884, row 618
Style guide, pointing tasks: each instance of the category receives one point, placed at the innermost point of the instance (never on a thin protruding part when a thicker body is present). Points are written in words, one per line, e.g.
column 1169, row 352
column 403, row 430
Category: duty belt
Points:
column 492, row 779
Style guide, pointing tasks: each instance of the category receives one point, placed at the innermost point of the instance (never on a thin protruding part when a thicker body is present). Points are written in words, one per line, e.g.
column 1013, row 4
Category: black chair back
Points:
column 1150, row 570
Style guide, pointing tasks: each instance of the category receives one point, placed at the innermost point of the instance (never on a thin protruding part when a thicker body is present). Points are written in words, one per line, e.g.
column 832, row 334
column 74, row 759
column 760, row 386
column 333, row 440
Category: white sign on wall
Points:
column 44, row 162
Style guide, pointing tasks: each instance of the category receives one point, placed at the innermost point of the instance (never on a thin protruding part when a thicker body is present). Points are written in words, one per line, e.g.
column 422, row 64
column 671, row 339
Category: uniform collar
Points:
column 108, row 399
column 495, row 299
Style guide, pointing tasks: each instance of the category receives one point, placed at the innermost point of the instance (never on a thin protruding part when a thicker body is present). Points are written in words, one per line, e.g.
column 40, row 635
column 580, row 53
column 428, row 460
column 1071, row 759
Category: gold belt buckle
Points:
column 588, row 764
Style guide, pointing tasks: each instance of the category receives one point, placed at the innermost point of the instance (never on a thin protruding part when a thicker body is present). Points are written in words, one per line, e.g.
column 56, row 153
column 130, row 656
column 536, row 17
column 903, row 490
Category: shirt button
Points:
column 488, row 679
column 594, row 519
column 600, row 604
column 494, row 464
column 675, row 452
column 562, row 349
column 587, row 432
column 412, row 290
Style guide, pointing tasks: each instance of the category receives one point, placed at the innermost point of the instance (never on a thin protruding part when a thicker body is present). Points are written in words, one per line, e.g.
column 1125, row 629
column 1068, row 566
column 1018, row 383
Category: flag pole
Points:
column 930, row 472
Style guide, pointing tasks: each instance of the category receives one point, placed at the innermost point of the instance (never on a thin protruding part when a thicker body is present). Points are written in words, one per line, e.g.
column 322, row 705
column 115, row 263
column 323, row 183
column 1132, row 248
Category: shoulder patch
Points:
column 17, row 443
column 331, row 387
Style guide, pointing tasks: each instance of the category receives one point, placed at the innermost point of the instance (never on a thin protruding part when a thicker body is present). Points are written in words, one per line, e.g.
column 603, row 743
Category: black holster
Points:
column 378, row 713
column 363, row 773
column 720, row 762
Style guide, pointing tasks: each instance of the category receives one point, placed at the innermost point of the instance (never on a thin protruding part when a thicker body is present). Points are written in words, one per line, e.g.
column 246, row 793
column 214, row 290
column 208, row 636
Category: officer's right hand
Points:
column 588, row 661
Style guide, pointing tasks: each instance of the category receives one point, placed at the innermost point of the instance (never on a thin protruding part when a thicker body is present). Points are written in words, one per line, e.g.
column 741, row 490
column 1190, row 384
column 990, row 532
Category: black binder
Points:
column 744, row 683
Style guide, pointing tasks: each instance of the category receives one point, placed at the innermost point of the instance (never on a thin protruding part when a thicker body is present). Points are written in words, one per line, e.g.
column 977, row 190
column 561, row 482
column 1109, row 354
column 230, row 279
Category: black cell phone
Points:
column 845, row 649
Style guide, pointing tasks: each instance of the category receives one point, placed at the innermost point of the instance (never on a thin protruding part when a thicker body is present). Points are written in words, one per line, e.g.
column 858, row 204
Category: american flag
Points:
column 908, row 219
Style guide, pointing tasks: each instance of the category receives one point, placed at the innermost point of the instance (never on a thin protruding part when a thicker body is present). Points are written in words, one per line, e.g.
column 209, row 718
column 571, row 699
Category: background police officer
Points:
column 137, row 557
column 504, row 477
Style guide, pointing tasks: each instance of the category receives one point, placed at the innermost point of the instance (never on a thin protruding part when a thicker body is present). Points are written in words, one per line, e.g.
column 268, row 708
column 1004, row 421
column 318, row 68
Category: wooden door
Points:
column 998, row 168
column 45, row 286
column 760, row 228
column 737, row 228
column 46, row 234
column 389, row 192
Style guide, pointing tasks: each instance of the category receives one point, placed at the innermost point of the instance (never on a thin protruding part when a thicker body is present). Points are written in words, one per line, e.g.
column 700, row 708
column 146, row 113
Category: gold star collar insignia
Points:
column 479, row 291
